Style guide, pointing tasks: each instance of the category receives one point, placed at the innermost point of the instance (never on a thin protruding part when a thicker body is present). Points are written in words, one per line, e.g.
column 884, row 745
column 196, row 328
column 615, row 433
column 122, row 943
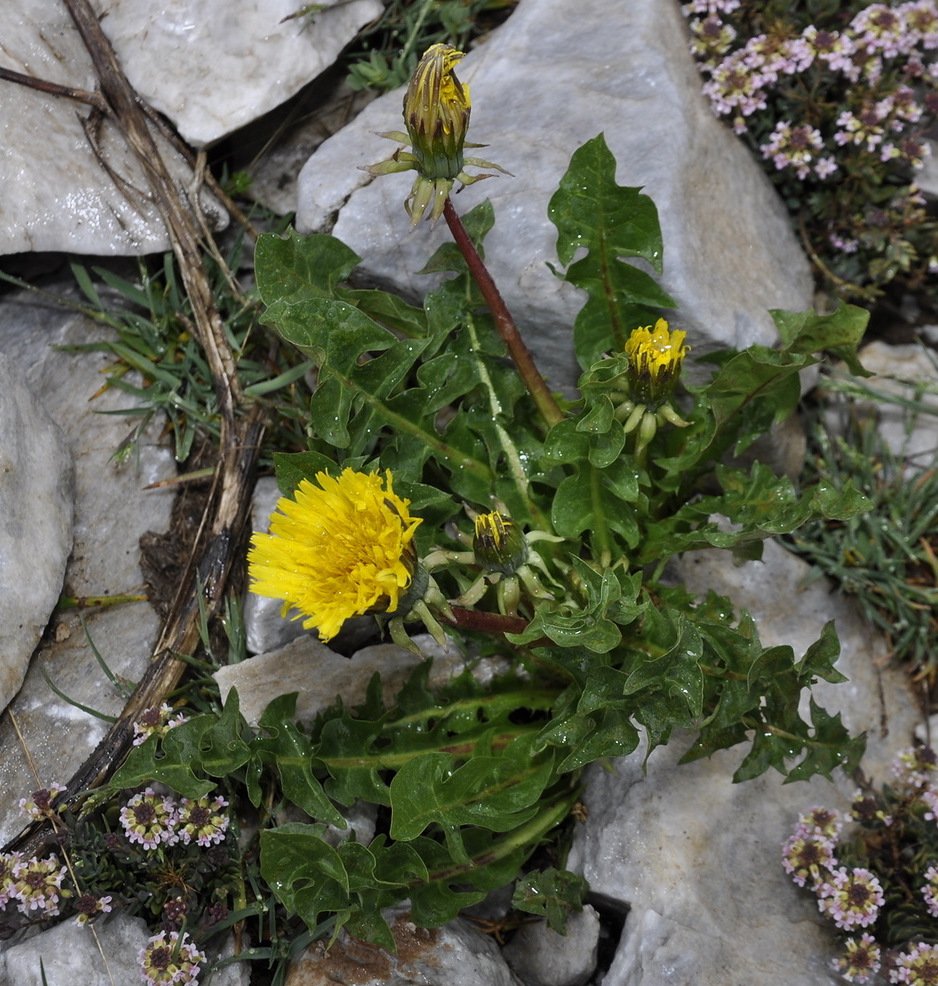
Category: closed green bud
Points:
column 436, row 113
column 498, row 545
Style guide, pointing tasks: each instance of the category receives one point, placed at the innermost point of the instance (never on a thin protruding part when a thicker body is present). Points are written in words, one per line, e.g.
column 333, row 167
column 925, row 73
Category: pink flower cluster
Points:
column 34, row 884
column 853, row 897
column 152, row 819
column 170, row 957
column 740, row 81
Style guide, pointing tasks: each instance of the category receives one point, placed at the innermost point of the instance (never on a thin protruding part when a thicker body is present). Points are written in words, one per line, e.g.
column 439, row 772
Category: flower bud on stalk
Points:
column 655, row 359
column 436, row 113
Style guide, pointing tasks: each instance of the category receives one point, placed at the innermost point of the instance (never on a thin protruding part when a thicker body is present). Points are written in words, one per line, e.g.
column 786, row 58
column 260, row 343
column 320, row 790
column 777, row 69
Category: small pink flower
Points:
column 150, row 819
column 861, row 959
column 917, row 967
column 851, row 899
column 170, row 957
column 808, row 855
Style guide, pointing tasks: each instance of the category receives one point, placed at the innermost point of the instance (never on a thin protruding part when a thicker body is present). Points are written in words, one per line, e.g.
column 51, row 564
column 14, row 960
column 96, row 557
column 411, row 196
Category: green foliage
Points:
column 159, row 361
column 385, row 53
column 470, row 780
column 886, row 556
column 551, row 893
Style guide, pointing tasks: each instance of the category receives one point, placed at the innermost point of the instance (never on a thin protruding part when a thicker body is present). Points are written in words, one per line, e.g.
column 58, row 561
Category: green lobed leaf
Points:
column 290, row 752
column 590, row 210
column 495, row 792
column 294, row 268
column 552, row 893
column 838, row 332
column 305, row 873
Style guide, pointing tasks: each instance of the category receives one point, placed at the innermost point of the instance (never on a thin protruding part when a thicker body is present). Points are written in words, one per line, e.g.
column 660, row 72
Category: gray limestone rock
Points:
column 319, row 674
column 543, row 84
column 35, row 523
column 112, row 510
column 454, row 955
column 231, row 64
column 540, row 956
column 69, row 953
column 209, row 67
column 696, row 858
column 906, row 373
column 106, row 956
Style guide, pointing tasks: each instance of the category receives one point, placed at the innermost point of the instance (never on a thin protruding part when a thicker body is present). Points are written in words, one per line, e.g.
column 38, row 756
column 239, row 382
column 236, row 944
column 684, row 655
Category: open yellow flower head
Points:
column 337, row 550
column 436, row 113
column 498, row 545
column 655, row 360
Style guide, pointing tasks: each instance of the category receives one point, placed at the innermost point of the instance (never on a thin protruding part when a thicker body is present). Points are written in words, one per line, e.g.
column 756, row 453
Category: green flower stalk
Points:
column 437, row 107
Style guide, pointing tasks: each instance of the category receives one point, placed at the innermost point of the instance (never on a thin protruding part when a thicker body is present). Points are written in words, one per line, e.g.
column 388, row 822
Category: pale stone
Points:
column 319, row 675
column 57, row 194
column 543, row 84
column 909, row 373
column 231, row 62
column 209, row 66
column 265, row 628
column 540, row 956
column 696, row 858
column 112, row 510
column 36, row 531
column 927, row 176
column 109, row 954
column 455, row 954
column 70, row 954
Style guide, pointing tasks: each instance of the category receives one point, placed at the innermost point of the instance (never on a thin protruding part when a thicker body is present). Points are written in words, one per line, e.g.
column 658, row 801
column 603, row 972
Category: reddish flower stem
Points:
column 504, row 323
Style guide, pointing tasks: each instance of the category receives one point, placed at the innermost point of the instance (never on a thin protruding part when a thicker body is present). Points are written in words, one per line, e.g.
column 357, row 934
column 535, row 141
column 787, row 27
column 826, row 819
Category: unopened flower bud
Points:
column 498, row 545
column 436, row 113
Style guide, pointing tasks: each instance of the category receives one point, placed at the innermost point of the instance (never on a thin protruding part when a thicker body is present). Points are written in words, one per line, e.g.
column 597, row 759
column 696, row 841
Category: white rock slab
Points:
column 70, row 954
column 73, row 954
column 905, row 372
column 542, row 85
column 210, row 66
column 231, row 62
column 35, row 523
column 456, row 954
column 698, row 858
column 540, row 956
column 112, row 511
column 318, row 674
column 57, row 196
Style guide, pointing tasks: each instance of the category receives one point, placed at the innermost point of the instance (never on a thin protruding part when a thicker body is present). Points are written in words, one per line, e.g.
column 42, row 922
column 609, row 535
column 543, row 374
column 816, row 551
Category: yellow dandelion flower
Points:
column 337, row 550
column 655, row 360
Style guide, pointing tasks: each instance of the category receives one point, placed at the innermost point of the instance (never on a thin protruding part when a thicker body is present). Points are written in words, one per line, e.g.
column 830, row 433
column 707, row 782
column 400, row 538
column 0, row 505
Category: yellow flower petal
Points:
column 655, row 360
column 337, row 550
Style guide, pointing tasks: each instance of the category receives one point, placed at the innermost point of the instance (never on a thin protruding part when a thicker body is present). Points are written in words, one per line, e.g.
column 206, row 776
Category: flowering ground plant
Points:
column 446, row 487
column 874, row 873
column 836, row 99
